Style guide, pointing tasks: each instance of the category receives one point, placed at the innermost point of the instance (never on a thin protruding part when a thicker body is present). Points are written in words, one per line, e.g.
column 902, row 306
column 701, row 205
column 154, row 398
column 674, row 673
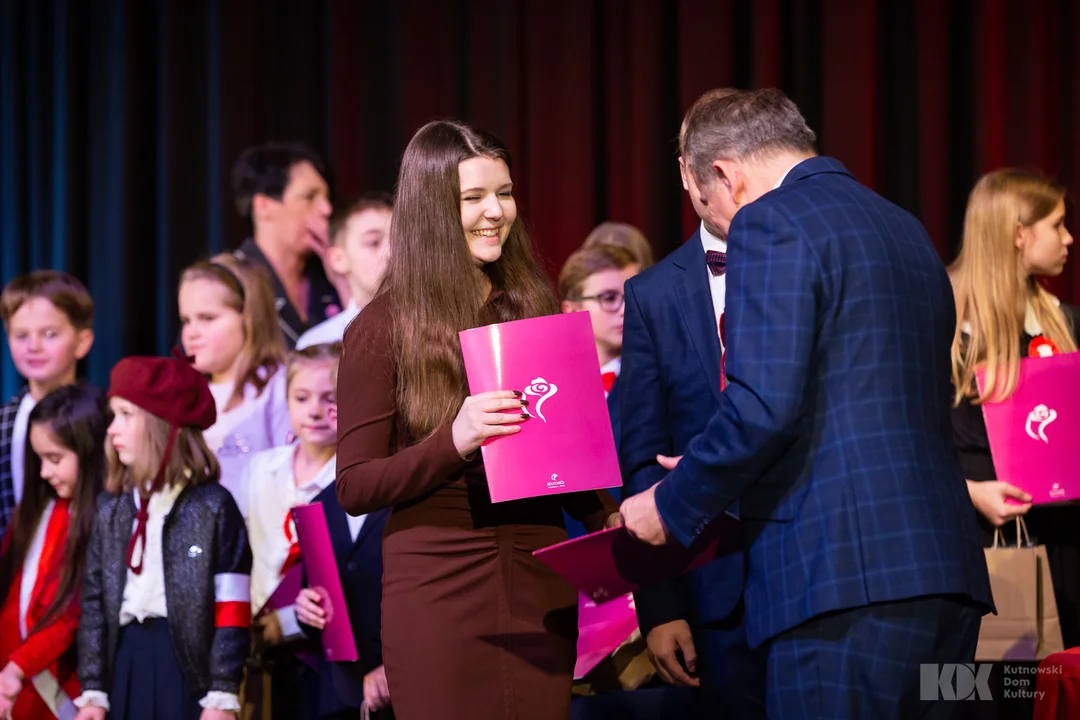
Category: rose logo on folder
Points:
column 567, row 444
column 542, row 389
column 1042, row 415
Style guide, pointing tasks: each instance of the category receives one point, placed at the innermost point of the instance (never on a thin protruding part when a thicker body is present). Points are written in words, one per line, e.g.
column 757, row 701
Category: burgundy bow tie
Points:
column 717, row 262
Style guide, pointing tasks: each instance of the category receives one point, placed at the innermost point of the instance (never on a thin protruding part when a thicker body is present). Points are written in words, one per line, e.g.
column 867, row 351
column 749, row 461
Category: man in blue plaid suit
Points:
column 832, row 432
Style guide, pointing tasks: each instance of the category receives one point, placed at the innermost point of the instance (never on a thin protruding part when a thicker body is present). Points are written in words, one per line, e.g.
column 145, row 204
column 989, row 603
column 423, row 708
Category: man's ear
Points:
column 262, row 207
column 682, row 174
column 569, row 306
column 731, row 176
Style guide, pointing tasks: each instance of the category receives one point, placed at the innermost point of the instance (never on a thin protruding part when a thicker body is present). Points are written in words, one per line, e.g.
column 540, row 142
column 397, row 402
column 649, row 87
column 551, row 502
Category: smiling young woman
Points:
column 459, row 638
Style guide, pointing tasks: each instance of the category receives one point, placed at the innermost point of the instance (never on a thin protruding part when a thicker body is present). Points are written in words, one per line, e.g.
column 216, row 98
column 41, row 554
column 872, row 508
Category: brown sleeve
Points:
column 370, row 475
column 591, row 509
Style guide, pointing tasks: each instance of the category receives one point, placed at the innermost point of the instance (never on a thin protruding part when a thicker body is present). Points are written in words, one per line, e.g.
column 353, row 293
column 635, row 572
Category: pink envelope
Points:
column 602, row 628
column 322, row 574
column 1034, row 432
column 608, row 564
column 567, row 446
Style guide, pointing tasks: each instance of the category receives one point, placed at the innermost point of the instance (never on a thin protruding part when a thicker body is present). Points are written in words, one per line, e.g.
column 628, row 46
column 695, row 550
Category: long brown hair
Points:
column 250, row 293
column 77, row 416
column 432, row 281
column 992, row 296
column 191, row 462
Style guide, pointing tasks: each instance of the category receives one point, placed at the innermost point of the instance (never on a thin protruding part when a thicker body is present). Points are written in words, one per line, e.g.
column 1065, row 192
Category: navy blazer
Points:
column 341, row 684
column 833, row 431
column 669, row 388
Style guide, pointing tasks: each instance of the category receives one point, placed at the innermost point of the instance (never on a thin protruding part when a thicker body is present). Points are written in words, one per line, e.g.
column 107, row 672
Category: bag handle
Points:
column 1021, row 527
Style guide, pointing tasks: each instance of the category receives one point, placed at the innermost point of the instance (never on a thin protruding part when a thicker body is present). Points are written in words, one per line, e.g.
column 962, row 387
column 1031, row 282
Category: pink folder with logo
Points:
column 322, row 574
column 1034, row 433
column 608, row 564
column 567, row 445
column 602, row 628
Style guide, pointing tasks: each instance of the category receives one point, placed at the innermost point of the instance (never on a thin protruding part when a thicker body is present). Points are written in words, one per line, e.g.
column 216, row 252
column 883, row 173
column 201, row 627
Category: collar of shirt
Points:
column 710, row 241
column 786, row 173
column 614, row 365
column 322, row 479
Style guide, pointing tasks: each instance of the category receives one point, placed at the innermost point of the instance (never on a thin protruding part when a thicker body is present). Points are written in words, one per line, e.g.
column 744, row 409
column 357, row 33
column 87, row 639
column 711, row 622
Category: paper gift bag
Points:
column 1027, row 626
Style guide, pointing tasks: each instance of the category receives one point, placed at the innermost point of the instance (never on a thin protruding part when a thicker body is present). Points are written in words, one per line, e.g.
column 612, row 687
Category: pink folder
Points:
column 567, row 446
column 322, row 574
column 1034, row 432
column 285, row 593
column 610, row 563
column 602, row 628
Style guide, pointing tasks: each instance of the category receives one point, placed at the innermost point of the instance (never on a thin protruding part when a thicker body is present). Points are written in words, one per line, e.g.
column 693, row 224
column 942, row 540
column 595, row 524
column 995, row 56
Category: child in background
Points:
column 165, row 625
column 48, row 317
column 230, row 326
column 358, row 252
column 279, row 480
column 44, row 554
column 357, row 541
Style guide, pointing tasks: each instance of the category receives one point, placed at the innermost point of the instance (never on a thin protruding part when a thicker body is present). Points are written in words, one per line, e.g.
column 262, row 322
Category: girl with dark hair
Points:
column 44, row 553
column 473, row 624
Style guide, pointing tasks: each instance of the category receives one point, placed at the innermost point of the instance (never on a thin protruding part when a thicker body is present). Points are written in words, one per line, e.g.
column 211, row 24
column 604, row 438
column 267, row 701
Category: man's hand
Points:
column 318, row 239
column 663, row 643
column 91, row 712
column 376, row 690
column 215, row 714
column 309, row 609
column 642, row 519
column 989, row 498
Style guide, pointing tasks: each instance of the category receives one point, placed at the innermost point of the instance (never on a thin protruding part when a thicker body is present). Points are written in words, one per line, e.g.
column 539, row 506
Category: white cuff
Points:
column 217, row 700
column 290, row 626
column 95, row 698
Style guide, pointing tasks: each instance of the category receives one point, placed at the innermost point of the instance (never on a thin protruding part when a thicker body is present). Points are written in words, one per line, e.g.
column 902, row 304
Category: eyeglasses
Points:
column 609, row 300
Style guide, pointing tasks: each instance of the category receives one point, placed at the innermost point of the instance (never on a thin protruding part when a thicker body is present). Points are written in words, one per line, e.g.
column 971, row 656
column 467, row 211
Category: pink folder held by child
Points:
column 322, row 575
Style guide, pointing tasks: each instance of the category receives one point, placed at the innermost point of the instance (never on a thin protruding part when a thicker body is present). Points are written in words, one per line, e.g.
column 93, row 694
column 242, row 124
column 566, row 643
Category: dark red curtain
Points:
column 120, row 119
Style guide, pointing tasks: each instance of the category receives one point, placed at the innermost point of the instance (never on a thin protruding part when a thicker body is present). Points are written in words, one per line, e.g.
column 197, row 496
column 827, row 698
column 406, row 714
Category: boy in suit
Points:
column 357, row 542
column 48, row 317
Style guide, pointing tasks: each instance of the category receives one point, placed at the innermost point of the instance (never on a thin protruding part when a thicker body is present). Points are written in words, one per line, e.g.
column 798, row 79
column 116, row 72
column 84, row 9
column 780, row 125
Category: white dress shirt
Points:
column 18, row 444
column 144, row 593
column 717, row 283
column 272, row 494
column 330, row 330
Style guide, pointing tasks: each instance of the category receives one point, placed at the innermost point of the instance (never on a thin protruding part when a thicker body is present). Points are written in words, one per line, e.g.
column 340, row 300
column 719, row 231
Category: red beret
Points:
column 167, row 387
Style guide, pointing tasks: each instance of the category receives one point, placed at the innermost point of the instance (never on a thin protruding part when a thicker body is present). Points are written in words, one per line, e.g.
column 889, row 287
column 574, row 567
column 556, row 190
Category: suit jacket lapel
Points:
column 695, row 303
column 336, row 524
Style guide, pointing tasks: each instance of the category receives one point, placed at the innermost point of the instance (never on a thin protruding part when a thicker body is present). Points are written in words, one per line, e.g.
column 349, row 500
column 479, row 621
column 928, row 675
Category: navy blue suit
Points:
column 341, row 684
column 670, row 387
column 833, row 434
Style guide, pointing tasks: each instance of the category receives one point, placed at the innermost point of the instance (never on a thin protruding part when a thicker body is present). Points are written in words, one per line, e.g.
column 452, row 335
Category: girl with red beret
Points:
column 165, row 604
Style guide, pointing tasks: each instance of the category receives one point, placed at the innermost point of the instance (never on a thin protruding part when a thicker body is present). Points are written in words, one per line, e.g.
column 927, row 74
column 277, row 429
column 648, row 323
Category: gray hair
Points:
column 741, row 125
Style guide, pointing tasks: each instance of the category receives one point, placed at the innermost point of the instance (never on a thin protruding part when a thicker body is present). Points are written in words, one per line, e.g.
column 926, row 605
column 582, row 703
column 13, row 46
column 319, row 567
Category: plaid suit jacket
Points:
column 7, row 487
column 833, row 432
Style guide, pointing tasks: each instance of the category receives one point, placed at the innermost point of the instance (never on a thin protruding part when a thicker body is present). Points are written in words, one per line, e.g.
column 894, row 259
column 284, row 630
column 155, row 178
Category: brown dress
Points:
column 474, row 627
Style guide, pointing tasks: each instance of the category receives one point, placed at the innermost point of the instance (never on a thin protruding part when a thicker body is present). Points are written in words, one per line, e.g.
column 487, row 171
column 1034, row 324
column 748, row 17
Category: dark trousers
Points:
column 865, row 662
column 147, row 681
column 732, row 674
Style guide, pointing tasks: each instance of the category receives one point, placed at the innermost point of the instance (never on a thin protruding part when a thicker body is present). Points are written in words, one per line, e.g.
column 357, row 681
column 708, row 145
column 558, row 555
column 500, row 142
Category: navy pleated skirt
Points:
column 147, row 681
